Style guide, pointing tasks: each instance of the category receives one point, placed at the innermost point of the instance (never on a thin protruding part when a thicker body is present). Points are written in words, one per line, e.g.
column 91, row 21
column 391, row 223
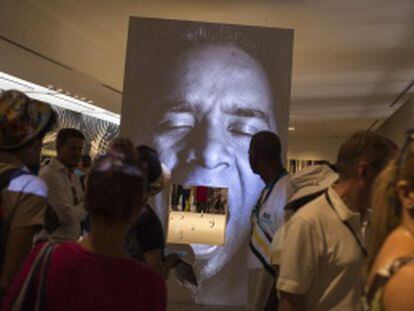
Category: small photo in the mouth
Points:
column 199, row 199
column 198, row 214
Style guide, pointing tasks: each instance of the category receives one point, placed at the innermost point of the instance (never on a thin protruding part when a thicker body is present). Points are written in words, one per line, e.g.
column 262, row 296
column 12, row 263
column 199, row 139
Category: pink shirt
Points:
column 80, row 280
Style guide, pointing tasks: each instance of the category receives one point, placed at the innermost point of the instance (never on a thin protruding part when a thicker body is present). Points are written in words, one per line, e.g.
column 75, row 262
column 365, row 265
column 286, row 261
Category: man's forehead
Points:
column 213, row 58
column 220, row 71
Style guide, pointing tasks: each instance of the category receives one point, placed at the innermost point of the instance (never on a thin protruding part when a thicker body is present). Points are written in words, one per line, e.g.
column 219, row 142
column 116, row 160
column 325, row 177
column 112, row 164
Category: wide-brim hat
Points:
column 21, row 119
column 311, row 181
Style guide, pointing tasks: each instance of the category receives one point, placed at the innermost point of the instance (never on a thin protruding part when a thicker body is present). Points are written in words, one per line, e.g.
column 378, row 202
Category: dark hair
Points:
column 66, row 133
column 367, row 146
column 149, row 157
column 115, row 185
column 267, row 146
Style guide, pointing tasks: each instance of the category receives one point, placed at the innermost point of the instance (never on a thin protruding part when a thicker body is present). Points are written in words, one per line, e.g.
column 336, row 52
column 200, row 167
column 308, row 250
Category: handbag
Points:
column 37, row 272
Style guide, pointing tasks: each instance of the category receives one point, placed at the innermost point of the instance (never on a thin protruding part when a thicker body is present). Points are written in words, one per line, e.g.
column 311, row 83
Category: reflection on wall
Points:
column 98, row 133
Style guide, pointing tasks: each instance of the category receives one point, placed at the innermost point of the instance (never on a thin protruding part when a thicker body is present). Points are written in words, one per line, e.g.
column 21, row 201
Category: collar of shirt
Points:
column 360, row 225
column 340, row 207
column 60, row 166
column 274, row 182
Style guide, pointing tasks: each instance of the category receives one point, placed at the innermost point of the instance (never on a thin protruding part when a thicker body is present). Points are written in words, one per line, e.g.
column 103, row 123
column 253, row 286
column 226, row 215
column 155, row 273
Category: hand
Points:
column 171, row 261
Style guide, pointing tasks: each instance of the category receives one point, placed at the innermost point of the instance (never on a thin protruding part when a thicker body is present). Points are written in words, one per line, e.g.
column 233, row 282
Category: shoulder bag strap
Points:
column 38, row 269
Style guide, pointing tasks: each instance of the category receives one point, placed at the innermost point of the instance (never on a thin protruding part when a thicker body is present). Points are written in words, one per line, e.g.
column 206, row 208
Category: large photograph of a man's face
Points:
column 197, row 92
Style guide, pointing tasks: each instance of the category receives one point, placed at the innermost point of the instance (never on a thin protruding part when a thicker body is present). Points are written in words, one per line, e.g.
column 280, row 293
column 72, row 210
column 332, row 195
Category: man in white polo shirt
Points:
column 325, row 241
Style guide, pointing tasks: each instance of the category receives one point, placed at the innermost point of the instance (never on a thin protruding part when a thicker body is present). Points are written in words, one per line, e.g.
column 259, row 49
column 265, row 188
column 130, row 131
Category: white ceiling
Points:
column 351, row 58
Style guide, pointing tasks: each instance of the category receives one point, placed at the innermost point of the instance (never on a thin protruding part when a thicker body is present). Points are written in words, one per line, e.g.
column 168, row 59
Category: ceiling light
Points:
column 292, row 128
column 57, row 97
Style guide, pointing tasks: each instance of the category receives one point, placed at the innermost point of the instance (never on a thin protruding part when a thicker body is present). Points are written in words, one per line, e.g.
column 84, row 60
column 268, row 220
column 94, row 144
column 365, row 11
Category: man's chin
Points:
column 205, row 252
column 211, row 259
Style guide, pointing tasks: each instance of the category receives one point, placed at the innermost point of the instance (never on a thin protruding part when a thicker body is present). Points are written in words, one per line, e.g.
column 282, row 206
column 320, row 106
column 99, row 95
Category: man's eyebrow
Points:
column 178, row 106
column 245, row 112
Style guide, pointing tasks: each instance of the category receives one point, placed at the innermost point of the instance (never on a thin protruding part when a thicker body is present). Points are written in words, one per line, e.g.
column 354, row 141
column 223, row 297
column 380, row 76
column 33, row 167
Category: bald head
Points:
column 265, row 147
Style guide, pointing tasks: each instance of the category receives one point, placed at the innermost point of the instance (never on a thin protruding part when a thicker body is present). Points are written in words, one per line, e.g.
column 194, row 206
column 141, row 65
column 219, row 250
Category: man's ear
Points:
column 405, row 194
column 363, row 170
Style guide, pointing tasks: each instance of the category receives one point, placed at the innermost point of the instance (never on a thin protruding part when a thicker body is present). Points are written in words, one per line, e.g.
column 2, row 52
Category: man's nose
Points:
column 212, row 149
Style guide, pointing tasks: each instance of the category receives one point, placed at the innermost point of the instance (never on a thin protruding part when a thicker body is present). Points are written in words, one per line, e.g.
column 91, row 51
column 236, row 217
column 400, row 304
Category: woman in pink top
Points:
column 96, row 273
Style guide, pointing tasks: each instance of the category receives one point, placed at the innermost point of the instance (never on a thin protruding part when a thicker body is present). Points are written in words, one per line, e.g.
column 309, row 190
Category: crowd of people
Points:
column 78, row 234
column 339, row 225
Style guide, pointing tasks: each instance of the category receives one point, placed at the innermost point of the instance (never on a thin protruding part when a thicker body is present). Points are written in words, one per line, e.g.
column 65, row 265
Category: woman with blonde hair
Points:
column 391, row 279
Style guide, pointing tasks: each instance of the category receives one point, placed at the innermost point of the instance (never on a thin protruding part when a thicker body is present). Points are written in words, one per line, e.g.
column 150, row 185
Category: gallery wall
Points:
column 314, row 147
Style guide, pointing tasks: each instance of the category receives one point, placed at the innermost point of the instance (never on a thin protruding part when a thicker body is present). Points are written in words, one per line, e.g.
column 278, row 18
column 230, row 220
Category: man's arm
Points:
column 291, row 302
column 60, row 200
column 299, row 263
column 154, row 259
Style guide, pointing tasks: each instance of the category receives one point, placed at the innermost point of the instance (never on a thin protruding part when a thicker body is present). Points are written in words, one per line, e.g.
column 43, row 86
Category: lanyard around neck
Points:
column 346, row 224
column 262, row 200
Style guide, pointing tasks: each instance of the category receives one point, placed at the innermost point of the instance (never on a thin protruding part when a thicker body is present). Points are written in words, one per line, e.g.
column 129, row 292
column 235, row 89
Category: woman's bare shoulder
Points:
column 398, row 293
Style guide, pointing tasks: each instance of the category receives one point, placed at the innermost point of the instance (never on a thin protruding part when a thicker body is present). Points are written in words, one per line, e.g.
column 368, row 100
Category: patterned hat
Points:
column 21, row 119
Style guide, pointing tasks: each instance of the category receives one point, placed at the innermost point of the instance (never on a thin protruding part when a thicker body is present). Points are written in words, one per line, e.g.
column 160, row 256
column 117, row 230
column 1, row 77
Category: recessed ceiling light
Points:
column 292, row 128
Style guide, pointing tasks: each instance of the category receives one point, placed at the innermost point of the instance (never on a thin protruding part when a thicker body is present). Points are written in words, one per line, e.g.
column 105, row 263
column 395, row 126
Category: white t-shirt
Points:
column 321, row 257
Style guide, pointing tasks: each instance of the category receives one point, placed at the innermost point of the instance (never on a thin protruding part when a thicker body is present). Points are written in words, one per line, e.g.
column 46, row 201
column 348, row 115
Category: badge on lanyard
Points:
column 266, row 218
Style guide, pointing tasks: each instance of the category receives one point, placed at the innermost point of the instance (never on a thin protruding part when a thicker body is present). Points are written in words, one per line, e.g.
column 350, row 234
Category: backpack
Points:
column 5, row 179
